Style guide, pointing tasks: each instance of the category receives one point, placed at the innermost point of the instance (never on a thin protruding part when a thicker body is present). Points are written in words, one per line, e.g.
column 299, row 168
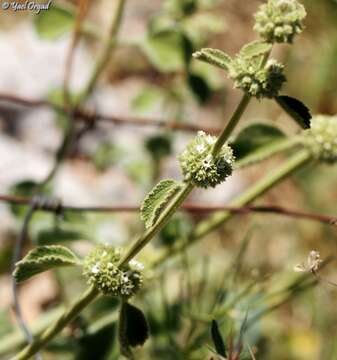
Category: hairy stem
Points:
column 227, row 131
column 60, row 324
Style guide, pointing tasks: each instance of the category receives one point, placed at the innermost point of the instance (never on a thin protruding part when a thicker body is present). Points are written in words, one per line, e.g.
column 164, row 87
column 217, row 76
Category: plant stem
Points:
column 207, row 226
column 60, row 324
column 227, row 131
column 163, row 219
column 109, row 46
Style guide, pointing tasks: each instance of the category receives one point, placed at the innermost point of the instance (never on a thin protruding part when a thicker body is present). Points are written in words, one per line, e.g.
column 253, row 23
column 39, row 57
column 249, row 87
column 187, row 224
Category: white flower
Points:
column 136, row 265
column 200, row 148
column 95, row 269
column 313, row 263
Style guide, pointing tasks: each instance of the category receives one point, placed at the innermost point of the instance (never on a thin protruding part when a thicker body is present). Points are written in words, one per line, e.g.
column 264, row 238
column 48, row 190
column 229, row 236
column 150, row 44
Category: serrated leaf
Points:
column 217, row 339
column 43, row 258
column 133, row 328
column 296, row 109
column 54, row 23
column 214, row 57
column 254, row 137
column 157, row 200
column 255, row 48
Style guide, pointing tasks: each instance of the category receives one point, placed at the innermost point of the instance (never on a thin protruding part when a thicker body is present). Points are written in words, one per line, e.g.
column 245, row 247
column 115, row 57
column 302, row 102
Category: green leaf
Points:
column 149, row 98
column 255, row 49
column 254, row 137
column 157, row 200
column 159, row 146
column 217, row 339
column 54, row 23
column 133, row 328
column 214, row 57
column 199, row 87
column 296, row 109
column 43, row 258
column 57, row 235
column 165, row 50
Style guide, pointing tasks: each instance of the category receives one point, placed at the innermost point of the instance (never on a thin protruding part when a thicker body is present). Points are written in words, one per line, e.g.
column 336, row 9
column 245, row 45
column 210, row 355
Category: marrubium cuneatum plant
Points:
column 206, row 162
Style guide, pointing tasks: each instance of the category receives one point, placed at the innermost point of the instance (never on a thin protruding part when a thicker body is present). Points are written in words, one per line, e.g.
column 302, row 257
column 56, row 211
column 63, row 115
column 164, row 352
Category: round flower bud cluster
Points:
column 280, row 20
column 321, row 138
column 256, row 81
column 101, row 270
column 202, row 168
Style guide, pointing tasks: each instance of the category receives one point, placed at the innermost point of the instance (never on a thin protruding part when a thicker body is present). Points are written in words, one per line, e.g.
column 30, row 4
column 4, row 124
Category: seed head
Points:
column 199, row 165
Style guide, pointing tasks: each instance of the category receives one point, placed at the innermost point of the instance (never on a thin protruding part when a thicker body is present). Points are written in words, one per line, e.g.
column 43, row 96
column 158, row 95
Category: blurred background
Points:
column 244, row 268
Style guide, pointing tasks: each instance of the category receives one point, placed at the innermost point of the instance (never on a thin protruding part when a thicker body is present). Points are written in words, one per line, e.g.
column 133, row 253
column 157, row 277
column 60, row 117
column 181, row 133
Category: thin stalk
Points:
column 207, row 226
column 108, row 48
column 227, row 131
column 60, row 324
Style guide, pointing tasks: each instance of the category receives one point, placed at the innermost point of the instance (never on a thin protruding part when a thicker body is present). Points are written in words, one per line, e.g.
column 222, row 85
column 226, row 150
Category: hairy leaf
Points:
column 133, row 328
column 254, row 137
column 217, row 339
column 156, row 201
column 43, row 258
column 296, row 109
column 255, row 48
column 215, row 57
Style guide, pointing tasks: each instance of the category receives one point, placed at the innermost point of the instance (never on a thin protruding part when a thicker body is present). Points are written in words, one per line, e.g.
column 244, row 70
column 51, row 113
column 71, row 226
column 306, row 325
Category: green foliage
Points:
column 157, row 200
column 253, row 138
column 296, row 109
column 215, row 57
column 43, row 258
column 133, row 328
column 254, row 49
column 106, row 155
column 57, row 235
column 54, row 23
column 217, row 339
column 159, row 146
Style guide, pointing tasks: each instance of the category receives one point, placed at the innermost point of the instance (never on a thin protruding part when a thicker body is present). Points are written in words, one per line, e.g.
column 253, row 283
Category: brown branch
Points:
column 92, row 117
column 189, row 207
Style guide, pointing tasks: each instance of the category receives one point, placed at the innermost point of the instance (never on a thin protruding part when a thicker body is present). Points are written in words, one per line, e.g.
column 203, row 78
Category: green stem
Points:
column 60, row 324
column 223, row 137
column 207, row 226
column 108, row 48
column 163, row 219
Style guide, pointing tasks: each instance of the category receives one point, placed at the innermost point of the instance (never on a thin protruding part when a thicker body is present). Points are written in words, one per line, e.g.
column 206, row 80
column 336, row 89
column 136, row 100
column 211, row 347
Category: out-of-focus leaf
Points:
column 106, row 155
column 177, row 229
column 296, row 109
column 217, row 339
column 199, row 87
column 57, row 235
column 43, row 258
column 254, row 137
column 148, row 99
column 159, row 146
column 165, row 50
column 133, row 328
column 54, row 23
column 157, row 200
column 97, row 345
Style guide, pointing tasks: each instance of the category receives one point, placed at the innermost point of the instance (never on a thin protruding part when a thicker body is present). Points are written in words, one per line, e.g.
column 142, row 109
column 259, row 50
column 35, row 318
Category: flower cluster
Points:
column 254, row 80
column 321, row 138
column 202, row 168
column 280, row 20
column 101, row 270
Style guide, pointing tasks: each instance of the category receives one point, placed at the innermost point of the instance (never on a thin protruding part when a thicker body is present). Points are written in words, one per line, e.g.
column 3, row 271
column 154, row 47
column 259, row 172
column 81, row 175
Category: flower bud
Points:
column 280, row 20
column 253, row 80
column 321, row 138
column 101, row 270
column 202, row 168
